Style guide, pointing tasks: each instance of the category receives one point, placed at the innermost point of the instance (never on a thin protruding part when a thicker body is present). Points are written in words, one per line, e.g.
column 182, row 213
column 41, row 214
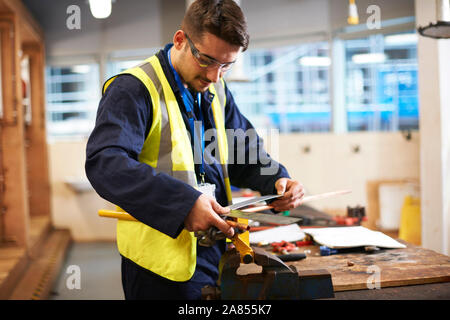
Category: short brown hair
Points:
column 222, row 18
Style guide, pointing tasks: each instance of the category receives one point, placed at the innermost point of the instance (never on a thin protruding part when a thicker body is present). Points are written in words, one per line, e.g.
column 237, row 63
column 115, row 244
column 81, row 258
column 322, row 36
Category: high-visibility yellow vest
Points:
column 167, row 149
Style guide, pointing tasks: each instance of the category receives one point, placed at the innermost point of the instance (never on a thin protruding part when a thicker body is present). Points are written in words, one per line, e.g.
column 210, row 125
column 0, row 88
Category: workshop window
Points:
column 118, row 61
column 73, row 93
column 287, row 88
column 381, row 83
column 116, row 67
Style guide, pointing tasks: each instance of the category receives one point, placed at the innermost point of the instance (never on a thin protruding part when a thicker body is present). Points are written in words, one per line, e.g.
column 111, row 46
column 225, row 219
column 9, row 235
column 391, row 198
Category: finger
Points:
column 294, row 190
column 287, row 205
column 298, row 196
column 285, row 202
column 281, row 205
column 281, row 186
column 297, row 203
column 223, row 226
column 219, row 209
column 302, row 195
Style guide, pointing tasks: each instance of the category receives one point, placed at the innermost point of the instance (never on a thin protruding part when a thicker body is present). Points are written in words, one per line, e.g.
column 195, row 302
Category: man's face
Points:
column 193, row 69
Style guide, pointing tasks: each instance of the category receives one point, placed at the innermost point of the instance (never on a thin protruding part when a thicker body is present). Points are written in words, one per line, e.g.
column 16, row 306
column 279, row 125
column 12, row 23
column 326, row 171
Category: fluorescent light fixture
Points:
column 401, row 39
column 81, row 68
column 100, row 9
column 312, row 61
column 369, row 58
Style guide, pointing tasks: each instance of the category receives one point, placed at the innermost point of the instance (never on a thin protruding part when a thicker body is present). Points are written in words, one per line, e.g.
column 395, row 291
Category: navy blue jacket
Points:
column 123, row 121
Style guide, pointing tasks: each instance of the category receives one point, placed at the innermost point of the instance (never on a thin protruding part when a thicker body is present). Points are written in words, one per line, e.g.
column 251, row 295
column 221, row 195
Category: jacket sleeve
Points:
column 250, row 166
column 123, row 121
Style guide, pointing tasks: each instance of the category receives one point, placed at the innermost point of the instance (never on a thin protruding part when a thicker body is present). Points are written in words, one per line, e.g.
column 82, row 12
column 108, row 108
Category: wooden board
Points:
column 42, row 272
column 13, row 262
column 15, row 197
column 398, row 267
column 36, row 147
column 28, row 273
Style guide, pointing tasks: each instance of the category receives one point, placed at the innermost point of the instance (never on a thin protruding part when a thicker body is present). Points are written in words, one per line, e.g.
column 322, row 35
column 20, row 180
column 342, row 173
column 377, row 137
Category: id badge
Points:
column 208, row 189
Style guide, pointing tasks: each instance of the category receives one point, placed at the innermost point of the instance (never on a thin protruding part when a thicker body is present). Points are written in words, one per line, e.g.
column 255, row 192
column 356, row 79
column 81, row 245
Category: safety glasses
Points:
column 206, row 61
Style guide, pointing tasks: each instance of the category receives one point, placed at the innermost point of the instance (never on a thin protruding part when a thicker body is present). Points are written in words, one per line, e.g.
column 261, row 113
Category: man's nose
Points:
column 213, row 74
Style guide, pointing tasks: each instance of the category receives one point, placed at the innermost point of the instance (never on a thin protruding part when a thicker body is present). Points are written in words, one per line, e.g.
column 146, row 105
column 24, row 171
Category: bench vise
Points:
column 276, row 281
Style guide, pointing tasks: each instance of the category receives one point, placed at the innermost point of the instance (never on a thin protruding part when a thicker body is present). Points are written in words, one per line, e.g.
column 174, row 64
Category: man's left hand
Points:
column 293, row 194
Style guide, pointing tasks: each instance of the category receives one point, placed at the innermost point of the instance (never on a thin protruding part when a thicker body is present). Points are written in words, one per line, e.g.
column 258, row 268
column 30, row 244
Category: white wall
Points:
column 331, row 163
column 434, row 84
column 286, row 21
column 72, row 210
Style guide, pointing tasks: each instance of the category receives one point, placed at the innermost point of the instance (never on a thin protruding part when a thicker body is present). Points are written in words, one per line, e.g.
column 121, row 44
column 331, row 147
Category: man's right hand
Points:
column 205, row 213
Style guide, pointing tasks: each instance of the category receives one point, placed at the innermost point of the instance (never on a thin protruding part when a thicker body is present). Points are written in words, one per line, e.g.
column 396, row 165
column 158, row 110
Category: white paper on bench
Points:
column 290, row 232
column 350, row 237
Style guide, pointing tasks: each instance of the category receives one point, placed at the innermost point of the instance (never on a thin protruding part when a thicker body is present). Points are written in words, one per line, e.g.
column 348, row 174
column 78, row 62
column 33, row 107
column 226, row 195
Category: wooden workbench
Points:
column 398, row 267
column 353, row 272
column 410, row 267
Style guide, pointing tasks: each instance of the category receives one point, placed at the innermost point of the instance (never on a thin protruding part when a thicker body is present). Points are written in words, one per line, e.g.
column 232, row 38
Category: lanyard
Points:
column 189, row 103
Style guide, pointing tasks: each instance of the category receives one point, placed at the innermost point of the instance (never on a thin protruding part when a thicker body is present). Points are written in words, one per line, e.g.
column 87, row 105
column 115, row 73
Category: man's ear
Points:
column 179, row 39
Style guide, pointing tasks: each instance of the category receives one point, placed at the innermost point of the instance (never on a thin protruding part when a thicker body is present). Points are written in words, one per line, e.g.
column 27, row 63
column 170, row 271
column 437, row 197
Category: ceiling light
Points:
column 352, row 13
column 368, row 58
column 100, row 9
column 81, row 68
column 312, row 61
column 440, row 29
column 401, row 39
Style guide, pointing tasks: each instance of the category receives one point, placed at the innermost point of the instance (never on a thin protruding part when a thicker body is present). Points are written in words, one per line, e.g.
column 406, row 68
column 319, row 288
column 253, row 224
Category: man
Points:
column 140, row 157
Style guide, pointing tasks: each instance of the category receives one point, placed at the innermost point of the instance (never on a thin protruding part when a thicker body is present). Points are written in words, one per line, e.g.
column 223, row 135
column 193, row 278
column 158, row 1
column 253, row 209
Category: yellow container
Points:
column 410, row 222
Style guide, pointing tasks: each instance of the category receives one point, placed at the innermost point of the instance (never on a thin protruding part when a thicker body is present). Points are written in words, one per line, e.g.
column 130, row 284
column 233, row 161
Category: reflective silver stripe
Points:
column 220, row 91
column 165, row 163
column 186, row 176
